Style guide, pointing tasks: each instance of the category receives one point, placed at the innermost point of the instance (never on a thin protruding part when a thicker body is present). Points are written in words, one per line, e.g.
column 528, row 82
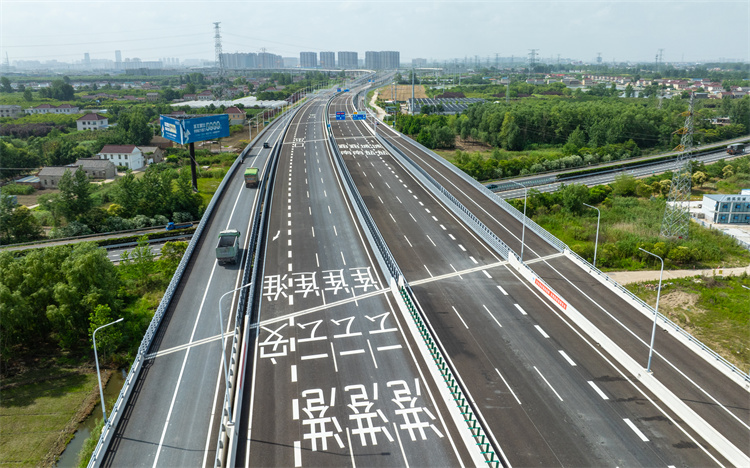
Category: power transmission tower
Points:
column 677, row 212
column 532, row 60
column 217, row 49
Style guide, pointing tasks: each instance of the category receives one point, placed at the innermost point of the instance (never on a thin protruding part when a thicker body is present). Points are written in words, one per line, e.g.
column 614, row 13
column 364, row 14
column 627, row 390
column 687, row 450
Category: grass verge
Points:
column 715, row 310
column 41, row 412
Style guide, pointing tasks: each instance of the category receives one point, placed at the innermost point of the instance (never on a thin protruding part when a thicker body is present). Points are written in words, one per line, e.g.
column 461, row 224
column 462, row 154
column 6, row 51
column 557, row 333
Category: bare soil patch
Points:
column 403, row 92
column 472, row 146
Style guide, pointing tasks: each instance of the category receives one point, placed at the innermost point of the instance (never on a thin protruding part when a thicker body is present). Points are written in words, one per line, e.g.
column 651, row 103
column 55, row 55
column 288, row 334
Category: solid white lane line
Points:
column 314, row 356
column 388, row 348
column 369, row 345
column 548, row 384
column 294, row 372
column 506, row 384
column 353, row 351
column 333, row 354
column 400, row 445
column 539, row 329
column 637, row 431
column 520, row 309
column 407, row 240
column 567, row 358
column 351, row 450
column 598, row 390
column 428, row 271
column 459, row 316
column 493, row 317
column 486, row 274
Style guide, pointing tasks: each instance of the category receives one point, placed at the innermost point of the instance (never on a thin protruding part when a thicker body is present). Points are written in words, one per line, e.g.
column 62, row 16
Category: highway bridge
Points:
column 390, row 311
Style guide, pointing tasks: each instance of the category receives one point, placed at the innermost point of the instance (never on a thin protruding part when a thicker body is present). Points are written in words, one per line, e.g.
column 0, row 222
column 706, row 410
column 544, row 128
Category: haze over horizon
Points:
column 687, row 31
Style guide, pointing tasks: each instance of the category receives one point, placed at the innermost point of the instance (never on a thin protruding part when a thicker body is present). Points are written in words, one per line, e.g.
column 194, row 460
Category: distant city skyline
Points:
column 621, row 31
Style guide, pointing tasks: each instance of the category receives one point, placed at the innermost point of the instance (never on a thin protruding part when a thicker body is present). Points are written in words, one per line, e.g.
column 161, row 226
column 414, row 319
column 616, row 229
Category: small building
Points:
column 50, row 109
column 152, row 96
column 10, row 111
column 92, row 121
column 97, row 168
column 129, row 156
column 49, row 176
column 153, row 154
column 32, row 180
column 236, row 115
column 727, row 209
column 205, row 96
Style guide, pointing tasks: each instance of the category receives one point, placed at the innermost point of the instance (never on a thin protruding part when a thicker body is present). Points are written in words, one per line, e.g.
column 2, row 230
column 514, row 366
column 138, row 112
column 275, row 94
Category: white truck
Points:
column 228, row 248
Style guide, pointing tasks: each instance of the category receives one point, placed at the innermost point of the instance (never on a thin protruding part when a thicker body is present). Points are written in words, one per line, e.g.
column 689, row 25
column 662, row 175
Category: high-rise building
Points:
column 372, row 60
column 86, row 59
column 384, row 60
column 348, row 60
column 267, row 60
column 118, row 58
column 239, row 60
column 308, row 59
column 328, row 60
column 418, row 63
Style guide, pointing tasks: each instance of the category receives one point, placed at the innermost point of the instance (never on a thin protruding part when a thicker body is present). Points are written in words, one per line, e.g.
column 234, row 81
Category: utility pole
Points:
column 532, row 60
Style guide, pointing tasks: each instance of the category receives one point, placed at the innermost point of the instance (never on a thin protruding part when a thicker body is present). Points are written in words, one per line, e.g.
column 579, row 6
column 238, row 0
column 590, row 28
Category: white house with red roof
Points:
column 129, row 156
column 92, row 121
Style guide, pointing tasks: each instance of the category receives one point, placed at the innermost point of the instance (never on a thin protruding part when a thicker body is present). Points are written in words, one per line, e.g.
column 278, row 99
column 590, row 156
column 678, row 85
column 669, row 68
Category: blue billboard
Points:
column 340, row 115
column 194, row 129
column 359, row 116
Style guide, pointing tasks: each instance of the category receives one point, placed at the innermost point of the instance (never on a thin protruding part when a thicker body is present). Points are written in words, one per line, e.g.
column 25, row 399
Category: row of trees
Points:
column 56, row 296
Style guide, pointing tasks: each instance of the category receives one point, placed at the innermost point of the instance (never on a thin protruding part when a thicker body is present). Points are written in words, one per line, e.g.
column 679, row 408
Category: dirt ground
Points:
column 626, row 277
column 471, row 145
column 403, row 92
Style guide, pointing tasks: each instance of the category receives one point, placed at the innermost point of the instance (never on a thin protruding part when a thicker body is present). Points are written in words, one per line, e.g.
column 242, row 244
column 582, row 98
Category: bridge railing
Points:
column 226, row 445
column 463, row 401
column 456, row 206
column 562, row 247
column 530, row 224
column 118, row 408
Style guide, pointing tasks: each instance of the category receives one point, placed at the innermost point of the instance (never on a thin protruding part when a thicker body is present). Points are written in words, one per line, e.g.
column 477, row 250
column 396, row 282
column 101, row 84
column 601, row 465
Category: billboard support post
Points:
column 193, row 171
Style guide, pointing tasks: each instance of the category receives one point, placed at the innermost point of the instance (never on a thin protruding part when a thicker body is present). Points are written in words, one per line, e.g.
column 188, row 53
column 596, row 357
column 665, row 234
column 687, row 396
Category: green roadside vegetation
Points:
column 41, row 410
column 631, row 215
column 51, row 301
column 715, row 310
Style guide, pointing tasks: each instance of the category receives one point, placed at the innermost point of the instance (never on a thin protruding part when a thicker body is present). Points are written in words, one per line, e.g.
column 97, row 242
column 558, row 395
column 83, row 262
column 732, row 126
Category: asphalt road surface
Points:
column 336, row 380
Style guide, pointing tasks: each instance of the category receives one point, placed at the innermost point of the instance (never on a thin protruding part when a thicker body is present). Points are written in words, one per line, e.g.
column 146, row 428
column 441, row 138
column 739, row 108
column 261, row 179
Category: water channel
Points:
column 69, row 457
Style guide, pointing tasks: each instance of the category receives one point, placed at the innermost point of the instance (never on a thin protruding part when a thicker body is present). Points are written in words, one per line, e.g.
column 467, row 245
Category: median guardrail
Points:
column 118, row 408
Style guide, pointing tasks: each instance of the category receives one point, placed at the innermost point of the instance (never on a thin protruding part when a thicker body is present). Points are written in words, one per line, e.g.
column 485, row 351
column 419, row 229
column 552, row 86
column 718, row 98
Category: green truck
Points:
column 228, row 248
column 251, row 177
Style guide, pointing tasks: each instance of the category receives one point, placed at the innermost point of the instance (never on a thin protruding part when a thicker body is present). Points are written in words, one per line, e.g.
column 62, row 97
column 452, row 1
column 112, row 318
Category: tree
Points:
column 5, row 86
column 624, row 185
column 89, row 280
column 699, row 178
column 510, row 134
column 108, row 339
column 17, row 224
column 629, row 92
column 75, row 194
column 27, row 95
column 574, row 196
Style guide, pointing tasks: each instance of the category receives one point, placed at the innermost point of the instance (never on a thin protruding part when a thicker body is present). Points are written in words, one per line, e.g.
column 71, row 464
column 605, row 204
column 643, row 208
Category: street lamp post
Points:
column 523, row 231
column 598, row 218
column 96, row 358
column 223, row 353
column 656, row 310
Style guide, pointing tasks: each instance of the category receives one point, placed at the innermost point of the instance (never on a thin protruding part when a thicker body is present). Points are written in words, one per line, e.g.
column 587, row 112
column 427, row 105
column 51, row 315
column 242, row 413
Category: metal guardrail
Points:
column 246, row 298
column 464, row 404
column 562, row 247
column 456, row 206
column 114, row 416
column 530, row 224
column 663, row 318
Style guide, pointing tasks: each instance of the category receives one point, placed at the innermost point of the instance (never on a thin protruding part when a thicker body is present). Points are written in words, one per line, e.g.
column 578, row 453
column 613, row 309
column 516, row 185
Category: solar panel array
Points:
column 450, row 105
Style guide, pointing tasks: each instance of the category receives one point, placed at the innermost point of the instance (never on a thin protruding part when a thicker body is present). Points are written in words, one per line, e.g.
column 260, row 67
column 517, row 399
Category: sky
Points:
column 686, row 30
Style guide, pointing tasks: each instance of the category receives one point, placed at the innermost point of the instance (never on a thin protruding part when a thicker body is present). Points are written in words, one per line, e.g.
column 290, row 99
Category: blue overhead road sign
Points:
column 359, row 116
column 340, row 115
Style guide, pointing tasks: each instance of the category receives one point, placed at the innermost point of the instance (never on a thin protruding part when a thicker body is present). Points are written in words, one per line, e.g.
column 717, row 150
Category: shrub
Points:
column 17, row 189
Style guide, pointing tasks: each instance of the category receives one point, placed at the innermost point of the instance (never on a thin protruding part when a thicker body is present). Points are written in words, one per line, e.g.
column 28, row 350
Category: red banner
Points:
column 549, row 292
